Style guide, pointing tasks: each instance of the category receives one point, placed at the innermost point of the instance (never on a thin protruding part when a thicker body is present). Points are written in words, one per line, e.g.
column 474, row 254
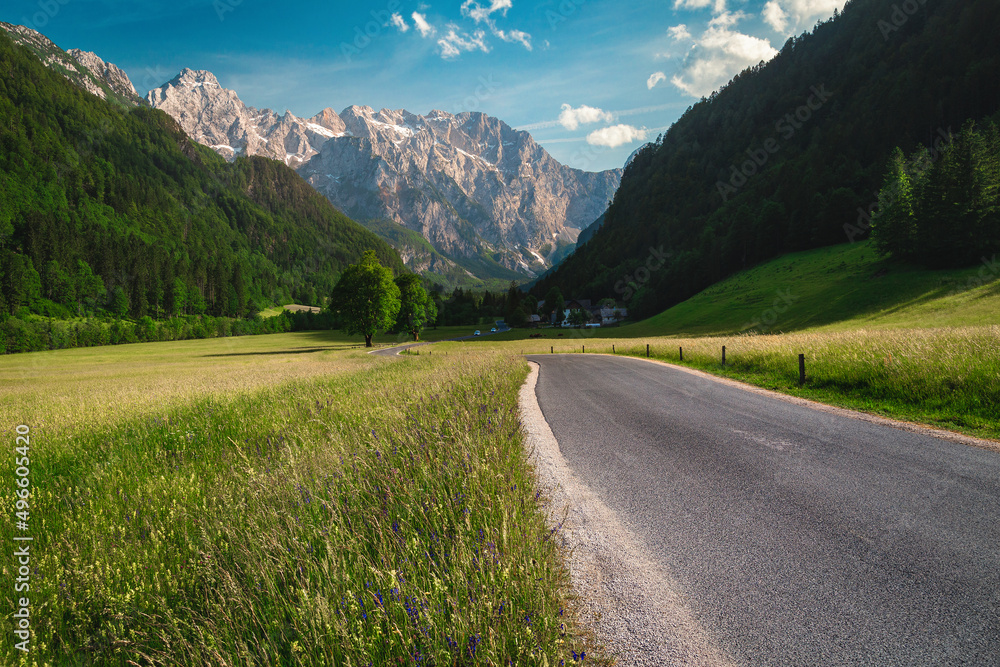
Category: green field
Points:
column 282, row 500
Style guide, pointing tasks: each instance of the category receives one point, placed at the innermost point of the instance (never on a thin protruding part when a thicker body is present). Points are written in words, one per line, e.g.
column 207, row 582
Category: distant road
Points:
column 393, row 351
column 798, row 537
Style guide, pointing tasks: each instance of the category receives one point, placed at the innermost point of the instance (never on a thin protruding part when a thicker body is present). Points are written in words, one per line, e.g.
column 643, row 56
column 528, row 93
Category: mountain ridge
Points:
column 483, row 193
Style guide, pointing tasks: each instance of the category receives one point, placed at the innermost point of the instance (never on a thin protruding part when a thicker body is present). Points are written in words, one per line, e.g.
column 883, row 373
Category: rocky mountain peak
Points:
column 112, row 75
column 485, row 195
column 192, row 78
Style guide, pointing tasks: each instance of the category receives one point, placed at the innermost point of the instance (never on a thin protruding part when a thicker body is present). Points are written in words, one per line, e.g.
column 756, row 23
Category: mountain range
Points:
column 487, row 197
column 465, row 199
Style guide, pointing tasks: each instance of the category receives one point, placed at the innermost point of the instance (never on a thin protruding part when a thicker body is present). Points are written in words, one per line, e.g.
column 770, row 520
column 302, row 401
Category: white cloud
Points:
column 789, row 16
column 478, row 13
column 571, row 118
column 515, row 36
column 679, row 32
column 718, row 6
column 425, row 28
column 719, row 54
column 655, row 78
column 775, row 16
column 399, row 22
column 616, row 135
column 454, row 44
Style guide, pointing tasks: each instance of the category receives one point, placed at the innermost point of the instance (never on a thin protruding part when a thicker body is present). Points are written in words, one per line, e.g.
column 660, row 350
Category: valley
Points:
column 612, row 334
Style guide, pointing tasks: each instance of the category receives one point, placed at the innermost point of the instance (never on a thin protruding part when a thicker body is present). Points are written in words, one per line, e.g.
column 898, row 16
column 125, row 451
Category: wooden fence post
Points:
column 723, row 355
column 802, row 369
column 612, row 348
column 552, row 350
column 681, row 351
column 584, row 349
column 647, row 350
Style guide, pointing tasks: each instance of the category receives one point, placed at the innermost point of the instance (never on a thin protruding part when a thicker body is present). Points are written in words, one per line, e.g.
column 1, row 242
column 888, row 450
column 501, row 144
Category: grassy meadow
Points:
column 282, row 500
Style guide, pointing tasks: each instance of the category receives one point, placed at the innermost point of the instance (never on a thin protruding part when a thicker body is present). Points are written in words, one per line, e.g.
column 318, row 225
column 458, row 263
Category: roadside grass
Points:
column 947, row 377
column 326, row 508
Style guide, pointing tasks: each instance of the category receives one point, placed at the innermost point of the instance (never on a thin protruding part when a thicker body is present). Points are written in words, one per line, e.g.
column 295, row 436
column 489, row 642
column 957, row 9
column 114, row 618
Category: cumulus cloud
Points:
column 775, row 16
column 789, row 16
column 655, row 78
column 425, row 28
column 679, row 32
column 571, row 118
column 616, row 135
column 454, row 43
column 399, row 22
column 719, row 54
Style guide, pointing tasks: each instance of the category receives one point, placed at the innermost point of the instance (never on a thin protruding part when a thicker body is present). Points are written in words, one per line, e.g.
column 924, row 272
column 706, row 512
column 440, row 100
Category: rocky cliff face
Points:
column 485, row 195
column 82, row 68
column 111, row 74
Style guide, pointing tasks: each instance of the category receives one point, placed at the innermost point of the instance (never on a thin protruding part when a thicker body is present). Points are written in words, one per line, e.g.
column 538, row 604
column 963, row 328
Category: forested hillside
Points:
column 783, row 157
column 114, row 209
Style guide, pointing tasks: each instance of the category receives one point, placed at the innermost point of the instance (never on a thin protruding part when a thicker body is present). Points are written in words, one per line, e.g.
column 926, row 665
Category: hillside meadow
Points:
column 282, row 500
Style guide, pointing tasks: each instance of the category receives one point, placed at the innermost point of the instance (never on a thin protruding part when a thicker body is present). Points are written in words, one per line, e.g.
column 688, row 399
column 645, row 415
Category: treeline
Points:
column 105, row 210
column 940, row 207
column 35, row 334
column 470, row 307
column 782, row 157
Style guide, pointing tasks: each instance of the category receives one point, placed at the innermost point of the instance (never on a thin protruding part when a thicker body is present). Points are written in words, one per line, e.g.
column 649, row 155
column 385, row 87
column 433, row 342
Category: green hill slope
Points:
column 782, row 158
column 839, row 287
column 111, row 208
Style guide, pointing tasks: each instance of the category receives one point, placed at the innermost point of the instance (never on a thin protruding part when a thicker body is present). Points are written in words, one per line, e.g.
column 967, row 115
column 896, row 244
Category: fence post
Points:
column 612, row 348
column 723, row 355
column 584, row 349
column 681, row 351
column 647, row 350
column 552, row 349
column 802, row 369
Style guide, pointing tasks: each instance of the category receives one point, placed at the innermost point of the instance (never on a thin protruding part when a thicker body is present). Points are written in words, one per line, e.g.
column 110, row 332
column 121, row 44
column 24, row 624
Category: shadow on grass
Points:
column 304, row 350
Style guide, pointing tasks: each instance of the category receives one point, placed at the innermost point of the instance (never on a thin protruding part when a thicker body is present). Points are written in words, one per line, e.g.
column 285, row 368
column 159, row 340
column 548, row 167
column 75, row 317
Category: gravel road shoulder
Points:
column 634, row 606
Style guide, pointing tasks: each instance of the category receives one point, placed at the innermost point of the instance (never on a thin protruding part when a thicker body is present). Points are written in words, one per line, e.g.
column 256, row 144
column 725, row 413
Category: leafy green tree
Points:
column 518, row 318
column 554, row 303
column 366, row 298
column 578, row 317
column 119, row 302
column 90, row 289
column 415, row 305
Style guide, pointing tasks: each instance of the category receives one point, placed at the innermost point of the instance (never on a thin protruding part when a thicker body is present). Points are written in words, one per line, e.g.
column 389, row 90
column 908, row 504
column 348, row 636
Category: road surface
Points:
column 797, row 537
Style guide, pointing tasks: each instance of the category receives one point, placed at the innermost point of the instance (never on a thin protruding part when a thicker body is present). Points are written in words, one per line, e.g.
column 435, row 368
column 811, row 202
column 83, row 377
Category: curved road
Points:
column 798, row 537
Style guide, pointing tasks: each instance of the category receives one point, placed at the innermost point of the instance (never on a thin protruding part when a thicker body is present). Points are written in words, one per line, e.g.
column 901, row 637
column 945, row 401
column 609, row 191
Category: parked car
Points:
column 477, row 333
column 493, row 330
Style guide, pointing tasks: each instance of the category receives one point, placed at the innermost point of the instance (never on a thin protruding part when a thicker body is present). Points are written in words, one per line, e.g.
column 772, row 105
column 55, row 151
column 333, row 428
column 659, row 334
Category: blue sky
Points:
column 592, row 80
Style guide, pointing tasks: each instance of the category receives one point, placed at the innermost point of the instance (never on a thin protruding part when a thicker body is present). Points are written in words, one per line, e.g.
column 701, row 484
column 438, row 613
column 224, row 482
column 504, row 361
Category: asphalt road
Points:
column 797, row 537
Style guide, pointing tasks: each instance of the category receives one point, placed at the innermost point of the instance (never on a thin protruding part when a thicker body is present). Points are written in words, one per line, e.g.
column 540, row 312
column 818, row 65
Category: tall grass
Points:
column 386, row 515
